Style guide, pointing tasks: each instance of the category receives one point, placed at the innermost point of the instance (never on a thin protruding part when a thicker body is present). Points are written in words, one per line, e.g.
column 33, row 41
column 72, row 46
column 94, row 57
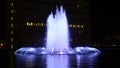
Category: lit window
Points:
column 1, row 44
column 29, row 24
column 35, row 24
column 74, row 26
column 82, row 26
column 12, row 4
column 11, row 32
column 12, row 18
column 70, row 25
column 38, row 24
column 78, row 5
column 78, row 26
column 11, row 25
column 11, row 46
column 11, row 39
column 12, row 11
column 42, row 24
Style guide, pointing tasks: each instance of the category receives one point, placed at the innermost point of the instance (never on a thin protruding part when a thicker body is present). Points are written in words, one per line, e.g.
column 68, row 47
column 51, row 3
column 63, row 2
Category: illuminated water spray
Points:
column 57, row 38
column 57, row 32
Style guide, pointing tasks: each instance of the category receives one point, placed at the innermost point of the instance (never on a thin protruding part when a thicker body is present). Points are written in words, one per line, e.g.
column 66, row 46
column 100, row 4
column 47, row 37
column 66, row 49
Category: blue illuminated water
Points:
column 57, row 61
column 57, row 38
column 106, row 59
column 57, row 32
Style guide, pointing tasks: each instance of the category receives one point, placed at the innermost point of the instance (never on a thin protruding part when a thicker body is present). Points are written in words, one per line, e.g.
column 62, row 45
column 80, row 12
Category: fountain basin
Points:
column 42, row 50
column 57, row 38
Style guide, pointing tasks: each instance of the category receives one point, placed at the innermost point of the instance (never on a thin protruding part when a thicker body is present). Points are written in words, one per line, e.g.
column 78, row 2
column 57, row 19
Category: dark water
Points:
column 108, row 58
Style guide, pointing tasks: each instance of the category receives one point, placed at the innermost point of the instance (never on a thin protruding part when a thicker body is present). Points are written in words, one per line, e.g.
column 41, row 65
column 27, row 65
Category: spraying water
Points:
column 57, row 31
column 57, row 38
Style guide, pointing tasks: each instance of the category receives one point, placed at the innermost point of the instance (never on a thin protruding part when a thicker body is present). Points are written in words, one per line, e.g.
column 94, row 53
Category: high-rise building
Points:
column 26, row 21
column 2, row 19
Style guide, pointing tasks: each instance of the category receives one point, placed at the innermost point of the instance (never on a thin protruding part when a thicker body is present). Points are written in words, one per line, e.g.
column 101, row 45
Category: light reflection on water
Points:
column 56, row 61
column 86, row 61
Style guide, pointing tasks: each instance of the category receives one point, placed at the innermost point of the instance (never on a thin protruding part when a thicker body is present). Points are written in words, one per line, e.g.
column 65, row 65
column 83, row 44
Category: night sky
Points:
column 104, row 18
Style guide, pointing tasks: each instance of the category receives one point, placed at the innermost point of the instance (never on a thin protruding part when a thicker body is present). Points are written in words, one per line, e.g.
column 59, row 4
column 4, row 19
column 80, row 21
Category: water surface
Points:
column 109, row 58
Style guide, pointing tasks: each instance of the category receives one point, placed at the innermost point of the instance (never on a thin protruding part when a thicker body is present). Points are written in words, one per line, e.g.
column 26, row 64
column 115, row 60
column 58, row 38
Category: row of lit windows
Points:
column 11, row 18
column 34, row 24
column 75, row 26
column 43, row 24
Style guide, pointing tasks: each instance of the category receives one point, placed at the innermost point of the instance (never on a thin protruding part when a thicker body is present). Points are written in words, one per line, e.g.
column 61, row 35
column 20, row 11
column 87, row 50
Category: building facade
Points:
column 26, row 21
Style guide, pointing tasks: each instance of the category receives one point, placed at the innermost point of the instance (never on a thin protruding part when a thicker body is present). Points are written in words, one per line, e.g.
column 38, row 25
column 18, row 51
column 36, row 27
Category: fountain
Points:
column 57, row 38
column 57, row 32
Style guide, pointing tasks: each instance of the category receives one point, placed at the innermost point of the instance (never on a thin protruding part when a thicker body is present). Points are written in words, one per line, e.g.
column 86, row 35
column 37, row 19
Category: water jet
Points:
column 57, row 38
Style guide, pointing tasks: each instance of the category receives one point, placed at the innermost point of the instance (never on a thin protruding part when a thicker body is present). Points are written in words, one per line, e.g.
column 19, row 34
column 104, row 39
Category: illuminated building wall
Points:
column 27, row 21
column 10, row 14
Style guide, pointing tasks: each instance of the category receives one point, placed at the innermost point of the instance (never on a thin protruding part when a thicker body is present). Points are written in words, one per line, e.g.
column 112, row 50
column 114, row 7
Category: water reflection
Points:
column 56, row 61
column 30, row 61
column 87, row 61
column 25, row 61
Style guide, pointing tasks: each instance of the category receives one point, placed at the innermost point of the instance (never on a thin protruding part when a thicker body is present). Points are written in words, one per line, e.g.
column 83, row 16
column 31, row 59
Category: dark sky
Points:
column 104, row 17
